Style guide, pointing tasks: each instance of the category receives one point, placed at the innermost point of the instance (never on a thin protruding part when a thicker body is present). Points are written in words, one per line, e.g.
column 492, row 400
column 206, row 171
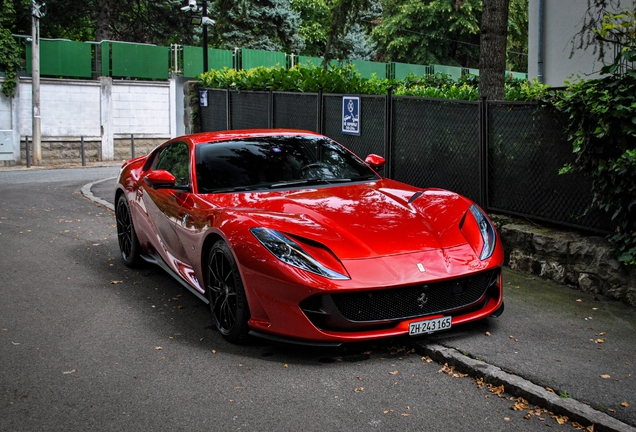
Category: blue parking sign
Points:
column 351, row 115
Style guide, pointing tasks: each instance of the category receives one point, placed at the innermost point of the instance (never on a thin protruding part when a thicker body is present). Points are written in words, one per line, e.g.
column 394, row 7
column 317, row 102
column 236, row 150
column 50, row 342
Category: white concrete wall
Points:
column 140, row 108
column 68, row 108
column 96, row 110
column 562, row 20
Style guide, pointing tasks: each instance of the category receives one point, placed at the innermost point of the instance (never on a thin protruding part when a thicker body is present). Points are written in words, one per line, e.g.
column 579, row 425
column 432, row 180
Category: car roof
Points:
column 206, row 137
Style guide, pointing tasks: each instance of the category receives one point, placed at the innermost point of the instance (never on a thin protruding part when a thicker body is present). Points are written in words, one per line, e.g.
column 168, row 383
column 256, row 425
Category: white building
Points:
column 556, row 60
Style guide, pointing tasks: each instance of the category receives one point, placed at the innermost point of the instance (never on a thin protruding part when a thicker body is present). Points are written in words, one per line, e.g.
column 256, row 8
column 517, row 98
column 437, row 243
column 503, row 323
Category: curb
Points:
column 519, row 387
column 86, row 191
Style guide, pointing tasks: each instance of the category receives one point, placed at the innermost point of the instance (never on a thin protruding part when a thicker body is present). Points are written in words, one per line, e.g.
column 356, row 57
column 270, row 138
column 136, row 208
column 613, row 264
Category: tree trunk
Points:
column 492, row 55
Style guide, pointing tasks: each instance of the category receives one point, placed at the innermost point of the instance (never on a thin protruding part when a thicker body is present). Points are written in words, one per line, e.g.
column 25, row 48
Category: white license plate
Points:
column 429, row 326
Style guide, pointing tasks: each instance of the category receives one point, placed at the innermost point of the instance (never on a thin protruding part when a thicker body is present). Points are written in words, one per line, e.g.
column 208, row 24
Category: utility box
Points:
column 6, row 145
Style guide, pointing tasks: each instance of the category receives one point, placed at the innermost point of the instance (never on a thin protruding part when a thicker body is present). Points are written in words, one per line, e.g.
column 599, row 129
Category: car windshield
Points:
column 275, row 162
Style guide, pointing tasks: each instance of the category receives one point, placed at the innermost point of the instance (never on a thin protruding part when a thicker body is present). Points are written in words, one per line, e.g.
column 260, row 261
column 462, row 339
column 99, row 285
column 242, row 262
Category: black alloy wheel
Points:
column 126, row 235
column 226, row 294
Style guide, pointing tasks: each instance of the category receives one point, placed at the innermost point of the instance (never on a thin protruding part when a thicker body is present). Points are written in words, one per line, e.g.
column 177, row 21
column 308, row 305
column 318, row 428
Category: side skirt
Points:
column 159, row 262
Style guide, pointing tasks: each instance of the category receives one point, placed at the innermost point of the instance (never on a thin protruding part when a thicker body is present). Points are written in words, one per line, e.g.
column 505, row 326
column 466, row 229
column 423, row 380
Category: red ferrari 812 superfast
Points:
column 288, row 235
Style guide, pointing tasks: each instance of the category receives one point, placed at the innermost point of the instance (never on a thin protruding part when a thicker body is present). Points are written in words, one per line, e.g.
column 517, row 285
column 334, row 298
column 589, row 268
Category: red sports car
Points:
column 288, row 235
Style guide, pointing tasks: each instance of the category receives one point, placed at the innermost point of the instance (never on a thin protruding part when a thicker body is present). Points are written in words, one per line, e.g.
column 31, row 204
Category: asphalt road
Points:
column 86, row 343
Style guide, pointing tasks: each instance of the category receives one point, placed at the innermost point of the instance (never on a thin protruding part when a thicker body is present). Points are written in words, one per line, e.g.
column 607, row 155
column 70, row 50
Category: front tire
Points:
column 228, row 303
column 126, row 235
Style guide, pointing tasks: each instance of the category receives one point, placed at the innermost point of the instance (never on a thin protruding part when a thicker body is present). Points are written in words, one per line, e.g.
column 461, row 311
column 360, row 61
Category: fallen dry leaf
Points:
column 69, row 372
column 158, row 348
column 605, row 376
column 405, row 415
column 550, row 390
column 393, row 373
column 561, row 419
column 599, row 341
column 487, row 333
column 497, row 390
column 358, row 389
column 579, row 300
column 116, row 282
column 519, row 405
column 624, row 404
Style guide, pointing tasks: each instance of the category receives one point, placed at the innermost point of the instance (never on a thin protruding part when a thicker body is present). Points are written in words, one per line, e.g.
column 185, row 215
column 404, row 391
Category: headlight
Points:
column 487, row 231
column 291, row 253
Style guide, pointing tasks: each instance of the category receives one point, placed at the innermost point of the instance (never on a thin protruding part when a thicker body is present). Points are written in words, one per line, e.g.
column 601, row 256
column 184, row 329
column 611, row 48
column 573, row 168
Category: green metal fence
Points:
column 120, row 59
column 368, row 69
column 401, row 70
column 250, row 58
column 62, row 58
column 454, row 71
column 193, row 60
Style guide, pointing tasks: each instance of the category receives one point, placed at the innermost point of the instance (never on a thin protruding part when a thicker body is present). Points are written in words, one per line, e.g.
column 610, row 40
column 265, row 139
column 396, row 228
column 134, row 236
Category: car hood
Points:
column 358, row 221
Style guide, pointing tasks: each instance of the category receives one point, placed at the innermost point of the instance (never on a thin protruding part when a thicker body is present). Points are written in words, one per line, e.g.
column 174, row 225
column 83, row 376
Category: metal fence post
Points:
column 319, row 119
column 28, row 151
column 227, row 110
column 132, row 145
column 82, row 150
column 388, row 134
column 270, row 108
column 483, row 152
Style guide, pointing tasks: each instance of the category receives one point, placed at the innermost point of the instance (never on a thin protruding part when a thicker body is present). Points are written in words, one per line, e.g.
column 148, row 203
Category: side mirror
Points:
column 375, row 161
column 160, row 179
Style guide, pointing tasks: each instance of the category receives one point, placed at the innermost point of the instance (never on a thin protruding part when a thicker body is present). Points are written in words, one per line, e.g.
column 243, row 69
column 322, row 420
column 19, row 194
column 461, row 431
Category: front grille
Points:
column 389, row 305
column 408, row 302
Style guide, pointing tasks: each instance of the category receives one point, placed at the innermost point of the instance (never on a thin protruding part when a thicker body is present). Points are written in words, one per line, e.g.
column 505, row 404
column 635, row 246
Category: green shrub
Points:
column 345, row 79
column 602, row 129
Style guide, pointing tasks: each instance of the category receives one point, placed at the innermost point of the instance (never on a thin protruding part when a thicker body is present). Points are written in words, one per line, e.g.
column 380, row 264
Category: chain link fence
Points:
column 296, row 111
column 527, row 147
column 440, row 143
column 436, row 144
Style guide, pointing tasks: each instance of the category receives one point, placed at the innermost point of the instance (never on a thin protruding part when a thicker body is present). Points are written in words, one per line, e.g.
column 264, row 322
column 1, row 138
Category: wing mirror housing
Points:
column 160, row 179
column 375, row 161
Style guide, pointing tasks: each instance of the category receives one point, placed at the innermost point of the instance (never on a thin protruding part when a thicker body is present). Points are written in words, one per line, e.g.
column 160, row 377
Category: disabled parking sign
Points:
column 351, row 115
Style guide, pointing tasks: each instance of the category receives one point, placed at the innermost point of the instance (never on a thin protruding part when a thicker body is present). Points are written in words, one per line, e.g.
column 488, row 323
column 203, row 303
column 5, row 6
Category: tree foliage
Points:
column 517, row 55
column 9, row 50
column 430, row 31
column 600, row 13
column 257, row 24
column 352, row 41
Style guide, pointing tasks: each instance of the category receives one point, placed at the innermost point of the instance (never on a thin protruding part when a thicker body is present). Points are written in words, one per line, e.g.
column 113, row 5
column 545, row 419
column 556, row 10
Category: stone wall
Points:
column 568, row 257
column 143, row 146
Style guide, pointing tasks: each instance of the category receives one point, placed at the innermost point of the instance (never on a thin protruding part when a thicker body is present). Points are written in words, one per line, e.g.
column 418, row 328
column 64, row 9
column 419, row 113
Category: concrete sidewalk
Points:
column 561, row 349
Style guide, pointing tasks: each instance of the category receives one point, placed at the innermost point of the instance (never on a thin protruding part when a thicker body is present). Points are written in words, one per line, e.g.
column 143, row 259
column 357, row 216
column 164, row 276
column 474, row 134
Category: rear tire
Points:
column 225, row 291
column 126, row 235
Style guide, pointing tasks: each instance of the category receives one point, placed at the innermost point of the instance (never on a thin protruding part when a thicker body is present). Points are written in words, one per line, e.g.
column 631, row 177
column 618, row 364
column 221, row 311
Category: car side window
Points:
column 175, row 159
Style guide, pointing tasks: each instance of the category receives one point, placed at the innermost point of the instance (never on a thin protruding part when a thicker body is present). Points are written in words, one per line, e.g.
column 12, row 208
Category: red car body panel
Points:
column 382, row 233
